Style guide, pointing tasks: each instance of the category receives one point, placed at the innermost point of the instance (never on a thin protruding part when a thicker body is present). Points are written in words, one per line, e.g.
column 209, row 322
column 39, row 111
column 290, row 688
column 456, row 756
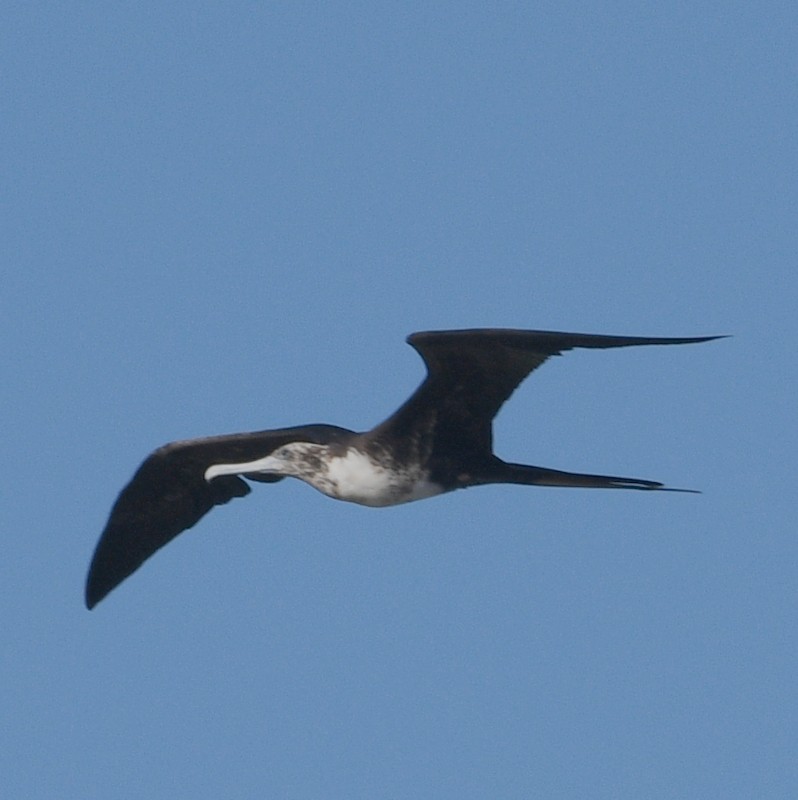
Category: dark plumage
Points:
column 438, row 441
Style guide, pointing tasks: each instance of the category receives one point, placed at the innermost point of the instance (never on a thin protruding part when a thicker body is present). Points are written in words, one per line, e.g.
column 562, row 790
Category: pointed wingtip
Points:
column 717, row 336
column 93, row 593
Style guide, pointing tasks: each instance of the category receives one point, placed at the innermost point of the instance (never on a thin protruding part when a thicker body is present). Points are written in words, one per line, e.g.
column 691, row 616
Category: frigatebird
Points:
column 441, row 439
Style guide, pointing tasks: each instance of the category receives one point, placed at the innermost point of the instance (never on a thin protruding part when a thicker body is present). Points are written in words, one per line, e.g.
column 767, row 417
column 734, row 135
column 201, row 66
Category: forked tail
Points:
column 541, row 476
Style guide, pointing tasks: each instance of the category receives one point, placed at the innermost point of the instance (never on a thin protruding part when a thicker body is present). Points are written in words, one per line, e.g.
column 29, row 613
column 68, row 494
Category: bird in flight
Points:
column 439, row 440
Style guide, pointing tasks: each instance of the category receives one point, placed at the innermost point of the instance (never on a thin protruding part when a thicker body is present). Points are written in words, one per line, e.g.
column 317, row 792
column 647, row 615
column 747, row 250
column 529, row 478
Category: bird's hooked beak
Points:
column 269, row 464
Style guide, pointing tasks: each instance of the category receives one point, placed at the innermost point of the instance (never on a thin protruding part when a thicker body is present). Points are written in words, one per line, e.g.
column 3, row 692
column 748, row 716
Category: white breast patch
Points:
column 357, row 478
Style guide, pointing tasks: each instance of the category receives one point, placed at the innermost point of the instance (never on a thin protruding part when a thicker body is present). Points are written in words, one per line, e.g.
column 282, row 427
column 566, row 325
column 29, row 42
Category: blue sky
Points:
column 224, row 217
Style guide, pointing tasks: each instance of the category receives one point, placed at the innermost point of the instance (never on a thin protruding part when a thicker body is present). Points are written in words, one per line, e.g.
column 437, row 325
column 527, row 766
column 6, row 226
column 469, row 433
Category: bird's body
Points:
column 439, row 440
column 344, row 473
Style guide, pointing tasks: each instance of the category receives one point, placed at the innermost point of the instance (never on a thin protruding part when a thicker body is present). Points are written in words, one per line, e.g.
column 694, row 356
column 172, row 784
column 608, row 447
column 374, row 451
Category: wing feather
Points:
column 471, row 373
column 169, row 494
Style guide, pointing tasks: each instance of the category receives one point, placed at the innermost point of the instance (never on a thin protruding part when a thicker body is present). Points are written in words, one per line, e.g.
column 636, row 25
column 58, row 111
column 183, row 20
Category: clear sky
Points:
column 227, row 216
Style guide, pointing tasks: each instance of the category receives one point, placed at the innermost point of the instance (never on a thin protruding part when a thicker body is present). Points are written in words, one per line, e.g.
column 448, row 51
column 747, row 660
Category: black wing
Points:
column 472, row 372
column 169, row 494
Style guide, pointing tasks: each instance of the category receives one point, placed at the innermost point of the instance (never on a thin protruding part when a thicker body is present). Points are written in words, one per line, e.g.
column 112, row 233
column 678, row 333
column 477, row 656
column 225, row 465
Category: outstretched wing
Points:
column 472, row 372
column 169, row 494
